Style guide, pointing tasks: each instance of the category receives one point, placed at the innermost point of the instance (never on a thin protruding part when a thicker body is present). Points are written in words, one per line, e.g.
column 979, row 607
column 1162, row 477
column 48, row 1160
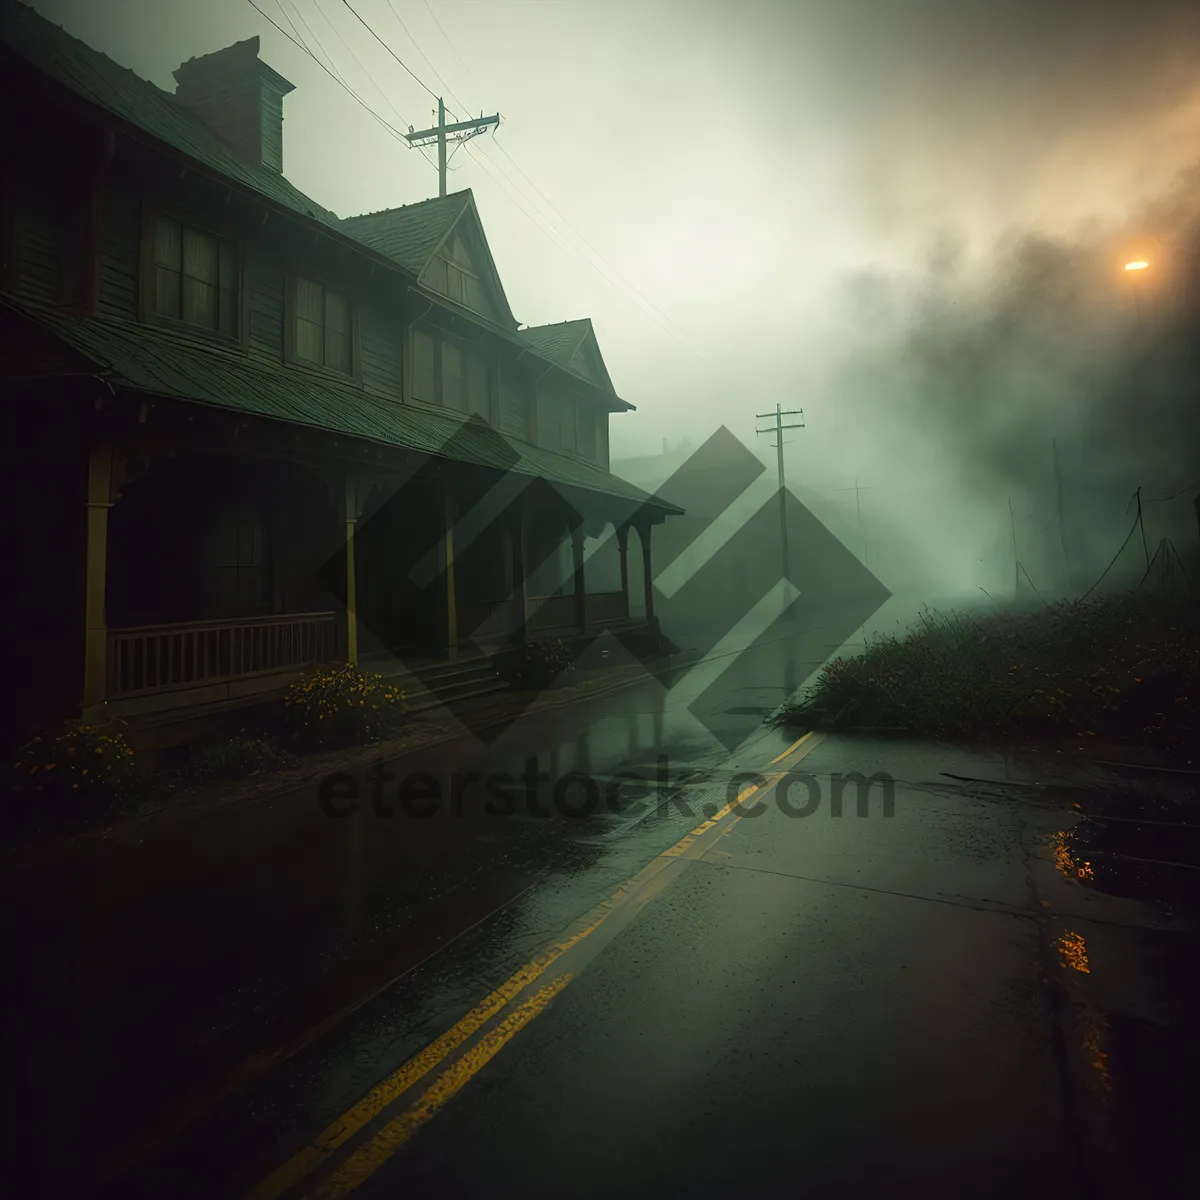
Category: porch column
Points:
column 623, row 551
column 580, row 585
column 448, row 575
column 351, row 591
column 95, row 646
column 520, row 589
column 647, row 577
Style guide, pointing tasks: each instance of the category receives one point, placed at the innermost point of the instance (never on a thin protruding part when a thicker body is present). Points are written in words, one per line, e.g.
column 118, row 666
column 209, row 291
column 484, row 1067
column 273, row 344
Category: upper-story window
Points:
column 587, row 433
column 567, row 424
column 195, row 276
column 424, row 367
column 322, row 327
column 449, row 373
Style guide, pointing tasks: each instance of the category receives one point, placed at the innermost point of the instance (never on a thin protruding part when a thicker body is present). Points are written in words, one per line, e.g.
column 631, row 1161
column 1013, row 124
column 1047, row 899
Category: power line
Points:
column 337, row 33
column 392, row 52
column 503, row 150
column 446, row 39
column 617, row 275
column 1173, row 495
column 288, row 19
column 314, row 39
column 486, row 165
column 562, row 241
column 340, row 82
column 445, row 87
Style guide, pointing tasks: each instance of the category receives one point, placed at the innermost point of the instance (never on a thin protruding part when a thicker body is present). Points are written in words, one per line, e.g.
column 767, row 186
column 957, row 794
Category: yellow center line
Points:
column 371, row 1155
column 794, row 746
column 383, row 1094
column 391, row 1089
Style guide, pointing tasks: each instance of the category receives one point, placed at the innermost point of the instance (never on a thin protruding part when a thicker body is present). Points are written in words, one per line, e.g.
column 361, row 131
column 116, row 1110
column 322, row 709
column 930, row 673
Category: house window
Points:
column 195, row 277
column 456, row 283
column 458, row 272
column 566, row 426
column 238, row 576
column 587, row 433
column 322, row 332
column 454, row 383
column 477, row 387
column 424, row 378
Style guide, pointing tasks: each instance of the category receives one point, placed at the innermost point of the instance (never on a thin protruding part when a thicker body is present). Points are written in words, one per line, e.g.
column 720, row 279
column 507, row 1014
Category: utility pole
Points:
column 857, row 490
column 1058, row 503
column 777, row 429
column 464, row 131
column 1016, row 557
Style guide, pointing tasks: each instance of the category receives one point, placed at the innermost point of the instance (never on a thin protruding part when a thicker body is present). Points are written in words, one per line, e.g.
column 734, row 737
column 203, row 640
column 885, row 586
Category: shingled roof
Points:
column 145, row 359
column 411, row 233
column 100, row 81
column 560, row 343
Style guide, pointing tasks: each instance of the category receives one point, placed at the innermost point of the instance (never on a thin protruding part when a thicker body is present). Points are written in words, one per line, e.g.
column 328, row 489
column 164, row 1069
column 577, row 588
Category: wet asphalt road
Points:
column 940, row 1001
column 812, row 1007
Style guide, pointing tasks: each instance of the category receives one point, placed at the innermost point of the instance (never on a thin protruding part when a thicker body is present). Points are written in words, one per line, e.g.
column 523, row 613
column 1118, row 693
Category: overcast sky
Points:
column 736, row 163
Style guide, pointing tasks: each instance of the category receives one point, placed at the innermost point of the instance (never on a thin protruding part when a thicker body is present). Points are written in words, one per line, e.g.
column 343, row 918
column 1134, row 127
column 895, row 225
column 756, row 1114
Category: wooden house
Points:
column 245, row 435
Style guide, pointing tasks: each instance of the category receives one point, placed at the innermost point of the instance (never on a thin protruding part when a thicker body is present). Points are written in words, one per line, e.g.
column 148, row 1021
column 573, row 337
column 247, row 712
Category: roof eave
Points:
column 136, row 133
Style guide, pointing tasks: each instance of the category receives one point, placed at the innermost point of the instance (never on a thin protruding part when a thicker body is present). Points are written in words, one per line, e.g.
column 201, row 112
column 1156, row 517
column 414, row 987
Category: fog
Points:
column 909, row 219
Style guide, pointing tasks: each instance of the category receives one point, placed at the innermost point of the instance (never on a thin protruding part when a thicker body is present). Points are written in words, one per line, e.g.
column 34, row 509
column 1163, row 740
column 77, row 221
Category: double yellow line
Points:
column 376, row 1150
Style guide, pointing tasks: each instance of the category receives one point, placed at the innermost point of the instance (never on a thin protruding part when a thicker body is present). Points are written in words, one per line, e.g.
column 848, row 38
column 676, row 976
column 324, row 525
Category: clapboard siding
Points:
column 272, row 127
column 120, row 248
column 515, row 404
column 380, row 352
column 38, row 237
column 265, row 280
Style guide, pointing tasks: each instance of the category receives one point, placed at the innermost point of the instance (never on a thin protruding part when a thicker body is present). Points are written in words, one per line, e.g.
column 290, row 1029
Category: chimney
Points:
column 240, row 98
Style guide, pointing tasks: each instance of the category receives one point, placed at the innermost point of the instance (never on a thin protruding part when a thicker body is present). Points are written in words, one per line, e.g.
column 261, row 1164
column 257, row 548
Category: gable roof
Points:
column 562, row 342
column 413, row 233
column 104, row 83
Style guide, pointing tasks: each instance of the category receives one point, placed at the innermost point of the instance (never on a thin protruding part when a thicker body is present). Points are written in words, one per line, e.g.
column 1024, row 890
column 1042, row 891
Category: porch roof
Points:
column 140, row 358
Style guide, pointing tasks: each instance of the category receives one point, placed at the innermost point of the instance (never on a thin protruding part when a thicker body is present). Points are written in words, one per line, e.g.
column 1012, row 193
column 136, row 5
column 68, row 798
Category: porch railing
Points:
column 492, row 618
column 155, row 658
column 605, row 606
column 550, row 612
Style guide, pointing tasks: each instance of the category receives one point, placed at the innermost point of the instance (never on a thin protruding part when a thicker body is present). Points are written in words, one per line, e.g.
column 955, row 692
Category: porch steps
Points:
column 446, row 683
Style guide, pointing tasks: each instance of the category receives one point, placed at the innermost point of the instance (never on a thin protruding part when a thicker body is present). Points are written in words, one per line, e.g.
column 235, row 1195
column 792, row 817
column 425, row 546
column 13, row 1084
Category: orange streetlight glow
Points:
column 1138, row 264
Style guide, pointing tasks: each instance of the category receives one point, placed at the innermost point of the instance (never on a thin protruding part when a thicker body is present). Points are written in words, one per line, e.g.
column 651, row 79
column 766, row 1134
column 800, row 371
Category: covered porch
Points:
column 216, row 577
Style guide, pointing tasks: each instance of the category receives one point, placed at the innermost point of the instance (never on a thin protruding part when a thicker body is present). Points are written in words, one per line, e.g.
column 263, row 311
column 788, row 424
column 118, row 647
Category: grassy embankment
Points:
column 1123, row 667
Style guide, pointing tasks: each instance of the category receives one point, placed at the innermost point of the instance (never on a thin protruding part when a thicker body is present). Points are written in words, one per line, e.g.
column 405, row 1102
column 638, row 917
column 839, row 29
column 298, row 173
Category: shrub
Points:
column 233, row 757
column 71, row 774
column 537, row 664
column 1123, row 666
column 341, row 706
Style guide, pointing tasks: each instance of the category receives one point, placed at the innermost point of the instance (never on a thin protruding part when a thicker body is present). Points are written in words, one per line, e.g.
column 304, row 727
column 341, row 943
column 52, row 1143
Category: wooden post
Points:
column 520, row 589
column 623, row 550
column 448, row 575
column 95, row 651
column 351, row 589
column 647, row 576
column 580, row 583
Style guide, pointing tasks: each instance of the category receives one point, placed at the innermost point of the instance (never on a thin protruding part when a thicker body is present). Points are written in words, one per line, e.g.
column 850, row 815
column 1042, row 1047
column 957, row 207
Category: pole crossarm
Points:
column 475, row 125
column 437, row 136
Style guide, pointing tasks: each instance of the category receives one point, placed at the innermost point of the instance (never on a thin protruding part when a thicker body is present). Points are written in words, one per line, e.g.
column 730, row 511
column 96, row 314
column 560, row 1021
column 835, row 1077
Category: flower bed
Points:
column 341, row 706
